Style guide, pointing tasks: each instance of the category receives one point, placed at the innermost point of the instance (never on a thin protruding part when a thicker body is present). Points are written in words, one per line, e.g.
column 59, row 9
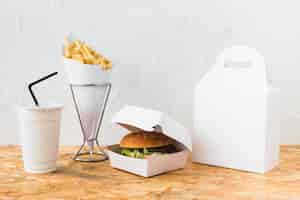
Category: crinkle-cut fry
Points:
column 75, row 50
column 88, row 61
column 105, row 63
column 98, row 61
column 88, row 48
column 98, row 56
column 71, row 45
column 78, row 57
column 95, row 61
column 92, row 52
column 71, row 50
column 87, row 52
column 78, row 43
column 68, row 54
column 88, row 57
column 83, row 53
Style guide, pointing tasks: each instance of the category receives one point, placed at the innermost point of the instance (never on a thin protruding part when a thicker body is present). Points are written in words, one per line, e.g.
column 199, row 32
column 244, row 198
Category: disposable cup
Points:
column 39, row 133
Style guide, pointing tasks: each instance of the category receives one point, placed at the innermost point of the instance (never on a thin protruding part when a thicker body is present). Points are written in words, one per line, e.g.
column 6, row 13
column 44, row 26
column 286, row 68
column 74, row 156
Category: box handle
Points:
column 241, row 57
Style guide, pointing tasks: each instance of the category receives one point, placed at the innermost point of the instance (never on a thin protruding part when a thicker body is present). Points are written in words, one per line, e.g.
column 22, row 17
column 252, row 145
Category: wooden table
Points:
column 76, row 180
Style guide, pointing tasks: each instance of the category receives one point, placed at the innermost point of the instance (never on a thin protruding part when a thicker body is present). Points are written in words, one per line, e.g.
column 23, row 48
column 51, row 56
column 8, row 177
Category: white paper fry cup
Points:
column 79, row 73
column 39, row 132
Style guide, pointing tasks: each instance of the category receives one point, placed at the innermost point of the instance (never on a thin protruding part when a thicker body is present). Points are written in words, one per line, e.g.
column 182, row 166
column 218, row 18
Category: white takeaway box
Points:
column 232, row 114
column 136, row 118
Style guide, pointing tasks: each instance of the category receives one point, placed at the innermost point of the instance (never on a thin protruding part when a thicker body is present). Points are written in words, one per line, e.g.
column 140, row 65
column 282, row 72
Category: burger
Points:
column 141, row 144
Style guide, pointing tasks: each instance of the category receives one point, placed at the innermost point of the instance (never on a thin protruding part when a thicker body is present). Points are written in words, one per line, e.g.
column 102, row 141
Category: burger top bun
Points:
column 143, row 139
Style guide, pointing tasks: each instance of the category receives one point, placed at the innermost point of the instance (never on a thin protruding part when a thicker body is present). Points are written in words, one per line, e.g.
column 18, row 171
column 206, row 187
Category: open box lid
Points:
column 136, row 118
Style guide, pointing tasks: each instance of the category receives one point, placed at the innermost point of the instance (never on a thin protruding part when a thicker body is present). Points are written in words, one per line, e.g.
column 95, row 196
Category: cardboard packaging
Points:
column 137, row 118
column 231, row 117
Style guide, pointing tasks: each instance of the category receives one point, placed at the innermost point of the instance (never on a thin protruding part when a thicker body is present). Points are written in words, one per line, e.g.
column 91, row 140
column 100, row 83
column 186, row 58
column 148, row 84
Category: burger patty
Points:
column 143, row 152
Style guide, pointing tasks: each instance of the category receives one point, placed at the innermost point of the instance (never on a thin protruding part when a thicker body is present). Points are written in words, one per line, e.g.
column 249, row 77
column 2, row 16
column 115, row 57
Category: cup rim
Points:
column 43, row 108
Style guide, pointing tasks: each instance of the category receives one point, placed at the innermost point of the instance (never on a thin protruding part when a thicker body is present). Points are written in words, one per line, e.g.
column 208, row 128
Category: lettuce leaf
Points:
column 137, row 153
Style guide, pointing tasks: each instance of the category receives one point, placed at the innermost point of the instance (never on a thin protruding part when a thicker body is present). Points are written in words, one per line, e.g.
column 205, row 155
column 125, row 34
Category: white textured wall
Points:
column 160, row 49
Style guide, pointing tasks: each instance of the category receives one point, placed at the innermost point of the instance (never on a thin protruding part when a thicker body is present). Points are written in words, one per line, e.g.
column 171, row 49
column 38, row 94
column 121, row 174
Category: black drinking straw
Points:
column 36, row 82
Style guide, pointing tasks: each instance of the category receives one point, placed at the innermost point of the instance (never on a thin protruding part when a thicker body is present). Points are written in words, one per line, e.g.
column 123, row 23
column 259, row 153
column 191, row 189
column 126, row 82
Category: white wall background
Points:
column 160, row 49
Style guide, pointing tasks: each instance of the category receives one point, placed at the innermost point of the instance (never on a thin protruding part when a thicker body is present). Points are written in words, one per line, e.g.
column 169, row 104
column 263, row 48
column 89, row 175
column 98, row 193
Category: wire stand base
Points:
column 90, row 155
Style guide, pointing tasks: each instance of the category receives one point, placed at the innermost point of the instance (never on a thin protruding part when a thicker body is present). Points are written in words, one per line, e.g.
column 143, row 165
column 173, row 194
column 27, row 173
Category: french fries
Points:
column 81, row 52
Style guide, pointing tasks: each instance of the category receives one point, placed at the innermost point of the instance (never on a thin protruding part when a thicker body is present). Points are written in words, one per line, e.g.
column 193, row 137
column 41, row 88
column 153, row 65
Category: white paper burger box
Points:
column 136, row 118
column 232, row 116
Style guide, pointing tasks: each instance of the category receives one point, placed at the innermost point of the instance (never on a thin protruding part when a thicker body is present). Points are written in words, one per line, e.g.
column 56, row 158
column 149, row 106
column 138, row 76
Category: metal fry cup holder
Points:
column 90, row 102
